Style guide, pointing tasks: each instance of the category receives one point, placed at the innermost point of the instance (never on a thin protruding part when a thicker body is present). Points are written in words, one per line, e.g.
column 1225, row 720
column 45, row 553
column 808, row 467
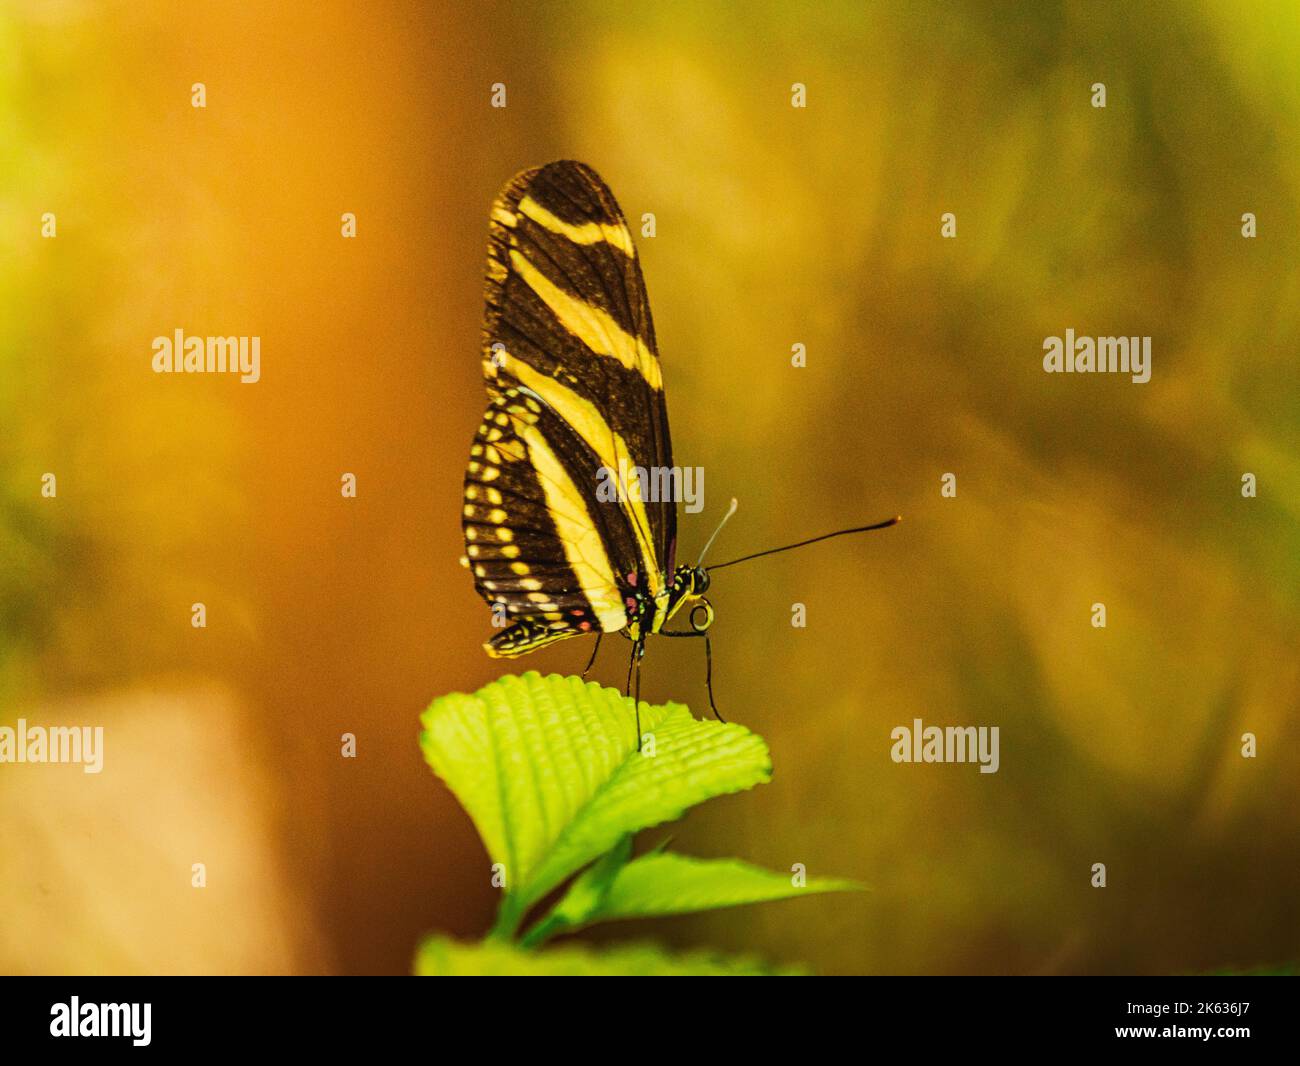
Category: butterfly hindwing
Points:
column 543, row 551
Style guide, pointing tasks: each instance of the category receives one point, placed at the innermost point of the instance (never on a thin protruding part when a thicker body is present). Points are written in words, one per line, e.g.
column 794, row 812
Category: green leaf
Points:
column 664, row 883
column 548, row 770
column 441, row 957
column 659, row 884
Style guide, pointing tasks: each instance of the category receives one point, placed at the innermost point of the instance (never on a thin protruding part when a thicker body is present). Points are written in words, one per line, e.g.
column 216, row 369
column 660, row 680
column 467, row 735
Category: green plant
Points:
column 549, row 772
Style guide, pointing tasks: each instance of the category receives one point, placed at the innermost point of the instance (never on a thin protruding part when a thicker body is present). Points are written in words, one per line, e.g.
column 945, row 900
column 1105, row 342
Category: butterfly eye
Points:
column 700, row 580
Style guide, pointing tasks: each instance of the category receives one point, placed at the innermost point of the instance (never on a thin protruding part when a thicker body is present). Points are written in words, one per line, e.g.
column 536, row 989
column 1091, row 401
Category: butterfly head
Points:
column 699, row 580
column 688, row 587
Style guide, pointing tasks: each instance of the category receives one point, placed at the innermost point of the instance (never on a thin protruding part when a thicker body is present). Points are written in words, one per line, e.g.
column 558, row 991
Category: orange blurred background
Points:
column 775, row 226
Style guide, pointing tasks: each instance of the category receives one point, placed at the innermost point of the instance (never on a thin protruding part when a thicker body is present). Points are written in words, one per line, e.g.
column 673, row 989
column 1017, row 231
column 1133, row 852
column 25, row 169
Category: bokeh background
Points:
column 775, row 226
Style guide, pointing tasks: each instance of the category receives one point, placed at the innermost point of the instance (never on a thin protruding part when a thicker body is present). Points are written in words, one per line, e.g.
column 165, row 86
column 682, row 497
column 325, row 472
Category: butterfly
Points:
column 576, row 399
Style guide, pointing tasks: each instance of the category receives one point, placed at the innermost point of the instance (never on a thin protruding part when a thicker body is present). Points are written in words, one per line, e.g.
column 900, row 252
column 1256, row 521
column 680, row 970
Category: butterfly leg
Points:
column 638, row 649
column 637, row 701
column 708, row 678
column 592, row 661
column 708, row 665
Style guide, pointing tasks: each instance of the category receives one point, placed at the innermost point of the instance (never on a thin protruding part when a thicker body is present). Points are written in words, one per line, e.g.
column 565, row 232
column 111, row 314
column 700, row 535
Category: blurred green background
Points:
column 775, row 226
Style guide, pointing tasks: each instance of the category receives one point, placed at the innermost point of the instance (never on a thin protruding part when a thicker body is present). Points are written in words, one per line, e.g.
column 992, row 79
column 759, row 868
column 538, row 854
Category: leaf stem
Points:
column 542, row 931
column 509, row 916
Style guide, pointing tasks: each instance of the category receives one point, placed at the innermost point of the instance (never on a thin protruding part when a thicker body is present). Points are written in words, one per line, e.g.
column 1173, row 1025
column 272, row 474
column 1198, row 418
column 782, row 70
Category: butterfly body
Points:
column 644, row 618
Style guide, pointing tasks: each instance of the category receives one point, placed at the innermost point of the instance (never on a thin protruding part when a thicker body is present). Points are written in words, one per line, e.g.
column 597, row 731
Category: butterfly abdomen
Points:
column 523, row 637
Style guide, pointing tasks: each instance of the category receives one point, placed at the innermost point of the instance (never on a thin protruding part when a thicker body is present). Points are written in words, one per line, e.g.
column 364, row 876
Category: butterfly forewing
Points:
column 568, row 317
column 573, row 374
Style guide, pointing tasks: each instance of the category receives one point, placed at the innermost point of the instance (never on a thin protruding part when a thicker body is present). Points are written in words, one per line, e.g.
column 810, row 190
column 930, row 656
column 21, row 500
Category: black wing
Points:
column 568, row 317
column 556, row 530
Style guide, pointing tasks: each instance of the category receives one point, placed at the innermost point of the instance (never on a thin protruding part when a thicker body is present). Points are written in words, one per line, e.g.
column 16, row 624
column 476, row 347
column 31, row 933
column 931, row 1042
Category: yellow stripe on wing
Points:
column 611, row 452
column 594, row 327
column 583, row 547
column 586, row 233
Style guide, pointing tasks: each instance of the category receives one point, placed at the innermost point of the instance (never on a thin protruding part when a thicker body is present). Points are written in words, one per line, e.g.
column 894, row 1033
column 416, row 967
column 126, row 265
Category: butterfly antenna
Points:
column 725, row 519
column 813, row 540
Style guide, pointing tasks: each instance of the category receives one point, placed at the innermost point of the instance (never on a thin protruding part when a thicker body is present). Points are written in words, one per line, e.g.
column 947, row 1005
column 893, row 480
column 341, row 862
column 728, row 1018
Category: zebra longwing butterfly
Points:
column 575, row 391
